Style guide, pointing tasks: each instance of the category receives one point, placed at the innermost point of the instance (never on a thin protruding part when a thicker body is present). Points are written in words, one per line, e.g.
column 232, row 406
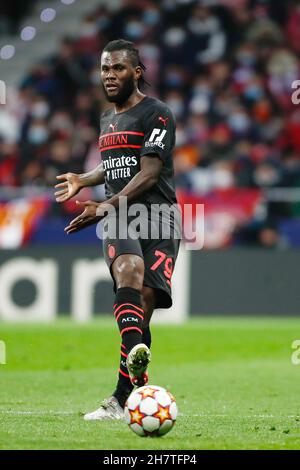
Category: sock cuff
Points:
column 128, row 294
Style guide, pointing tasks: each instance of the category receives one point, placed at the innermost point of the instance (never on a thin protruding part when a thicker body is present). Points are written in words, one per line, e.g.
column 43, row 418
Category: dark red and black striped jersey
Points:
column 147, row 128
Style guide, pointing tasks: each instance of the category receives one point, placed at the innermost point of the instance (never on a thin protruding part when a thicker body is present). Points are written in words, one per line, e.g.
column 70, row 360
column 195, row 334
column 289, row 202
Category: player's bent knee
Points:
column 130, row 273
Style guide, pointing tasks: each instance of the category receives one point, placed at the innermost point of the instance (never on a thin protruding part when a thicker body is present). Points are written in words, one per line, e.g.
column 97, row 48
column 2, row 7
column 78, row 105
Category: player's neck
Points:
column 133, row 100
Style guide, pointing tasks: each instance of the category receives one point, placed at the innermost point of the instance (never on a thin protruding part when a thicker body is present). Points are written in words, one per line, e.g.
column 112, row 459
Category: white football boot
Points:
column 137, row 363
column 109, row 409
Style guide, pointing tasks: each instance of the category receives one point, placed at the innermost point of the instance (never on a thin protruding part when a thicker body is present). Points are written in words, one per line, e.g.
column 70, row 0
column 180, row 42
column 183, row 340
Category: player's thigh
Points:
column 160, row 257
column 124, row 258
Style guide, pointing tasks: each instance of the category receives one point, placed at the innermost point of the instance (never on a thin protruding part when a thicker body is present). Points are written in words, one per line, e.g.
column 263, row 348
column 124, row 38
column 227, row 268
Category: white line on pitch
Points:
column 37, row 413
column 200, row 415
column 203, row 415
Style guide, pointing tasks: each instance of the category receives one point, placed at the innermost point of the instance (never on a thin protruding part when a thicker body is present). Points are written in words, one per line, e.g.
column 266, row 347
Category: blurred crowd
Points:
column 11, row 14
column 224, row 67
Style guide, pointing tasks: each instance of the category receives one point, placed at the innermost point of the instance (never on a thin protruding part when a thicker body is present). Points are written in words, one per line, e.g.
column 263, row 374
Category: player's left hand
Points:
column 93, row 213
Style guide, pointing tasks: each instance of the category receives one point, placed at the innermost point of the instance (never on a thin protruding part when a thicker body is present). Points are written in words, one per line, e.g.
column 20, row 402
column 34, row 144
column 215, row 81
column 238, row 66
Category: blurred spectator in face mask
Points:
column 61, row 124
column 224, row 103
column 222, row 175
column 88, row 39
column 246, row 55
column 263, row 27
column 244, row 70
column 37, row 132
column 175, row 77
column 198, row 128
column 174, row 48
column 59, row 160
column 239, row 122
column 207, row 41
column 201, row 96
column 40, row 108
column 266, row 175
column 254, row 89
column 134, row 29
column 175, row 100
column 151, row 15
column 283, row 70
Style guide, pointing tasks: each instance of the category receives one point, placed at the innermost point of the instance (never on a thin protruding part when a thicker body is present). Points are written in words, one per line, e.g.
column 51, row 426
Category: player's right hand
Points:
column 70, row 186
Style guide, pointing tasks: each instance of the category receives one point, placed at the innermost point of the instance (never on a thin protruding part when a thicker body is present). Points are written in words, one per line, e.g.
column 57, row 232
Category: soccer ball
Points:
column 150, row 411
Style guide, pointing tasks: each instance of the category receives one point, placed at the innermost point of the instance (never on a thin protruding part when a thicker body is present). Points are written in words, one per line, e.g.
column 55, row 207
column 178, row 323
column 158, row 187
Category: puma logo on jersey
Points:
column 164, row 121
column 113, row 126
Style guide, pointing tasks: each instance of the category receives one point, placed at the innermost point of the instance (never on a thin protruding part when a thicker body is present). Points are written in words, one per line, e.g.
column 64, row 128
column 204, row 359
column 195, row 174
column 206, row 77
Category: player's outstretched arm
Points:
column 93, row 211
column 71, row 183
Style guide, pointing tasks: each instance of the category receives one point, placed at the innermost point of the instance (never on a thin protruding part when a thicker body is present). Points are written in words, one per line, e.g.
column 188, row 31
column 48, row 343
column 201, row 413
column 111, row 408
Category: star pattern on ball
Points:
column 148, row 392
column 163, row 413
column 136, row 416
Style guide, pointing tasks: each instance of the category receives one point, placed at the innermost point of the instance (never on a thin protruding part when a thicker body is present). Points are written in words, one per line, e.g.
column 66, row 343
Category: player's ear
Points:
column 138, row 73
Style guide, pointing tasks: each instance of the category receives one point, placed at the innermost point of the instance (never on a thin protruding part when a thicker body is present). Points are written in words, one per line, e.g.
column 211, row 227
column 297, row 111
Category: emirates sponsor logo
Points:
column 119, row 167
column 119, row 162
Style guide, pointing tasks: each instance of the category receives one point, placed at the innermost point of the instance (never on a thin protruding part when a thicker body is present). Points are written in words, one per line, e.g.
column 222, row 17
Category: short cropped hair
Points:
column 133, row 52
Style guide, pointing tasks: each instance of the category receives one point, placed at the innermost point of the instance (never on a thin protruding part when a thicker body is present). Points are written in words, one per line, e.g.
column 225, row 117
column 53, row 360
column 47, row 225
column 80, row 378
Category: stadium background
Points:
column 226, row 69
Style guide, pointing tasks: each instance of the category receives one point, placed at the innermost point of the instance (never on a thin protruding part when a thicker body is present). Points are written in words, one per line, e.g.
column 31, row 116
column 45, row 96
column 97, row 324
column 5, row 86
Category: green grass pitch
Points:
column 233, row 379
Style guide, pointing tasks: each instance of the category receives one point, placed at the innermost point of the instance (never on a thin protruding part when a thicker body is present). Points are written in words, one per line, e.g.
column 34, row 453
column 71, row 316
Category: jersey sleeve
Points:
column 159, row 128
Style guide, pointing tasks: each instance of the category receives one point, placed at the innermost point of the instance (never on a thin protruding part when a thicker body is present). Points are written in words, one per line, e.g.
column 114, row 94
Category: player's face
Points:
column 119, row 77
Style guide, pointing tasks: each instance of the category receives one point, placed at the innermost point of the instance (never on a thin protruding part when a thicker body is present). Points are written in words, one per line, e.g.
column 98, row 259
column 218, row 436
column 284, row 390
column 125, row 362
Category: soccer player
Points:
column 137, row 136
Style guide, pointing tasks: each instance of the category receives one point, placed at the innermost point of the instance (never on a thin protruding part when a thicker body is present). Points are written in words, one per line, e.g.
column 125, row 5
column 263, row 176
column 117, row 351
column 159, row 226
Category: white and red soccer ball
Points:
column 151, row 411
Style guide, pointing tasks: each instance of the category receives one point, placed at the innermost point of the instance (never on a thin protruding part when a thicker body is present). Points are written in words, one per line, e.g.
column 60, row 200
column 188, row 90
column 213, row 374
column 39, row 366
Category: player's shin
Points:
column 146, row 338
column 129, row 315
